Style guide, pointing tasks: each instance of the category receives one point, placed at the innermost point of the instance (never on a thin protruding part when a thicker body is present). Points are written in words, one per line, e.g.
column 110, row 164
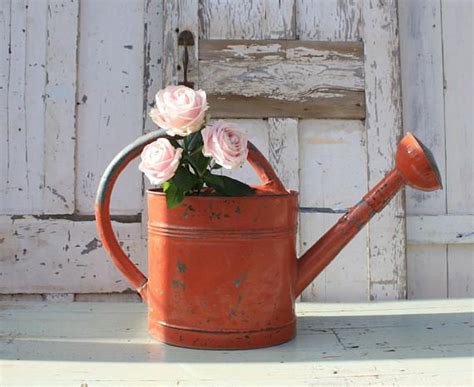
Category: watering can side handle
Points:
column 102, row 210
column 270, row 183
column 270, row 180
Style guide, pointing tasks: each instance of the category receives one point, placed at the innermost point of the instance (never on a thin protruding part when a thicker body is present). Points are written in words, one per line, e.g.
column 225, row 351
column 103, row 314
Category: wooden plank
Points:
column 108, row 297
column 246, row 19
column 153, row 50
column 331, row 20
column 284, row 150
column 283, row 155
column 300, row 51
column 402, row 343
column 387, row 262
column 421, row 56
column 24, row 75
column 15, row 187
column 38, row 154
column 33, row 94
column 60, row 107
column 333, row 162
column 427, row 275
column 460, row 271
column 345, row 279
column 230, row 20
column 458, row 37
column 327, row 182
column 54, row 255
column 427, row 271
column 279, row 78
column 153, row 82
column 441, row 229
column 178, row 16
column 5, row 58
column 110, row 95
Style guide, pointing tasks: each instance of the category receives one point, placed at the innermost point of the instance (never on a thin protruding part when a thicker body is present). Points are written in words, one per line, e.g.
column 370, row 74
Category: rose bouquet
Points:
column 183, row 164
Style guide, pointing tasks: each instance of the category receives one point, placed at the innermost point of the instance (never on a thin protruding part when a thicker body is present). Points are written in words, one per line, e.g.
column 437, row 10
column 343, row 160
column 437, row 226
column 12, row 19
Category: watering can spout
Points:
column 415, row 167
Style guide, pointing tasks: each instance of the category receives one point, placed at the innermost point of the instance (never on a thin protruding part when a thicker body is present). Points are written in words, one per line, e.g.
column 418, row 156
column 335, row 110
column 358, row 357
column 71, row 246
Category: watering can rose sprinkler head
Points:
column 414, row 166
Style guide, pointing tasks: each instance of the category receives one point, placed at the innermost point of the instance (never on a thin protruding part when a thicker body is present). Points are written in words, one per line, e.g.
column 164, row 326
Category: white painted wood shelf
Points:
column 403, row 342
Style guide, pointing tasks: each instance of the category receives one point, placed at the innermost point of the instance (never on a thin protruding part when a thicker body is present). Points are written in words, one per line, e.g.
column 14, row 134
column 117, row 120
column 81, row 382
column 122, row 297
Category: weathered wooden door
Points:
column 315, row 84
column 437, row 40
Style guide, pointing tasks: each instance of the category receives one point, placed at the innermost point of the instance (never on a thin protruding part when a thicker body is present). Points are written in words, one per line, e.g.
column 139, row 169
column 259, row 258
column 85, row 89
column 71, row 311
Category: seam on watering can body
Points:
column 220, row 233
column 224, row 331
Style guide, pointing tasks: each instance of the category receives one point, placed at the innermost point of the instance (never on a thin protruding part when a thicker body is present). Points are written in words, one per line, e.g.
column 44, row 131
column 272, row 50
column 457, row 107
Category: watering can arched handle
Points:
column 270, row 184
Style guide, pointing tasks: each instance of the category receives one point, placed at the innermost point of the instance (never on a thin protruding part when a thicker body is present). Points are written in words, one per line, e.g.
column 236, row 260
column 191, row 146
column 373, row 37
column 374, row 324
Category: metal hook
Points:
column 186, row 39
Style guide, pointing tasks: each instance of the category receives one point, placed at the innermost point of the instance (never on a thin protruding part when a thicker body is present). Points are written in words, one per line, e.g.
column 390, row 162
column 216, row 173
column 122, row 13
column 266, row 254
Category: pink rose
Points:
column 160, row 160
column 179, row 110
column 226, row 144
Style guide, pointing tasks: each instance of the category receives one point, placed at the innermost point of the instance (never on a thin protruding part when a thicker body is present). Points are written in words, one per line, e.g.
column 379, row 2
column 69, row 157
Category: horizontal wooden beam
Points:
column 440, row 229
column 62, row 256
column 283, row 78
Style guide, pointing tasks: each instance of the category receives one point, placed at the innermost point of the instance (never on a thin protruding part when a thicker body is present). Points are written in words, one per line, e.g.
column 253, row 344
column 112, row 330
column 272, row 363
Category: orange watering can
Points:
column 223, row 271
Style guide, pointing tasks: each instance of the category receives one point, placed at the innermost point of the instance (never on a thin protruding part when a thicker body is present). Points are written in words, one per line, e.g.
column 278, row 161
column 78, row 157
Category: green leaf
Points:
column 216, row 166
column 199, row 161
column 166, row 185
column 185, row 180
column 194, row 141
column 227, row 186
column 174, row 195
column 185, row 142
column 215, row 182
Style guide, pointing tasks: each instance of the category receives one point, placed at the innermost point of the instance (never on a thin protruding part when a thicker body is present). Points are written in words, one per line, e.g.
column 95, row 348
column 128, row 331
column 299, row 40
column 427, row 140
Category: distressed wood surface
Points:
column 329, row 20
column 427, row 272
column 440, row 229
column 333, row 163
column 437, row 99
column 110, row 99
column 387, row 244
column 422, row 84
column 284, row 152
column 333, row 159
column 38, row 72
column 399, row 343
column 246, row 19
column 281, row 78
column 179, row 16
column 153, row 51
column 275, row 23
column 28, row 59
column 423, row 114
column 460, row 271
column 458, row 37
column 62, row 256
column 60, row 99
